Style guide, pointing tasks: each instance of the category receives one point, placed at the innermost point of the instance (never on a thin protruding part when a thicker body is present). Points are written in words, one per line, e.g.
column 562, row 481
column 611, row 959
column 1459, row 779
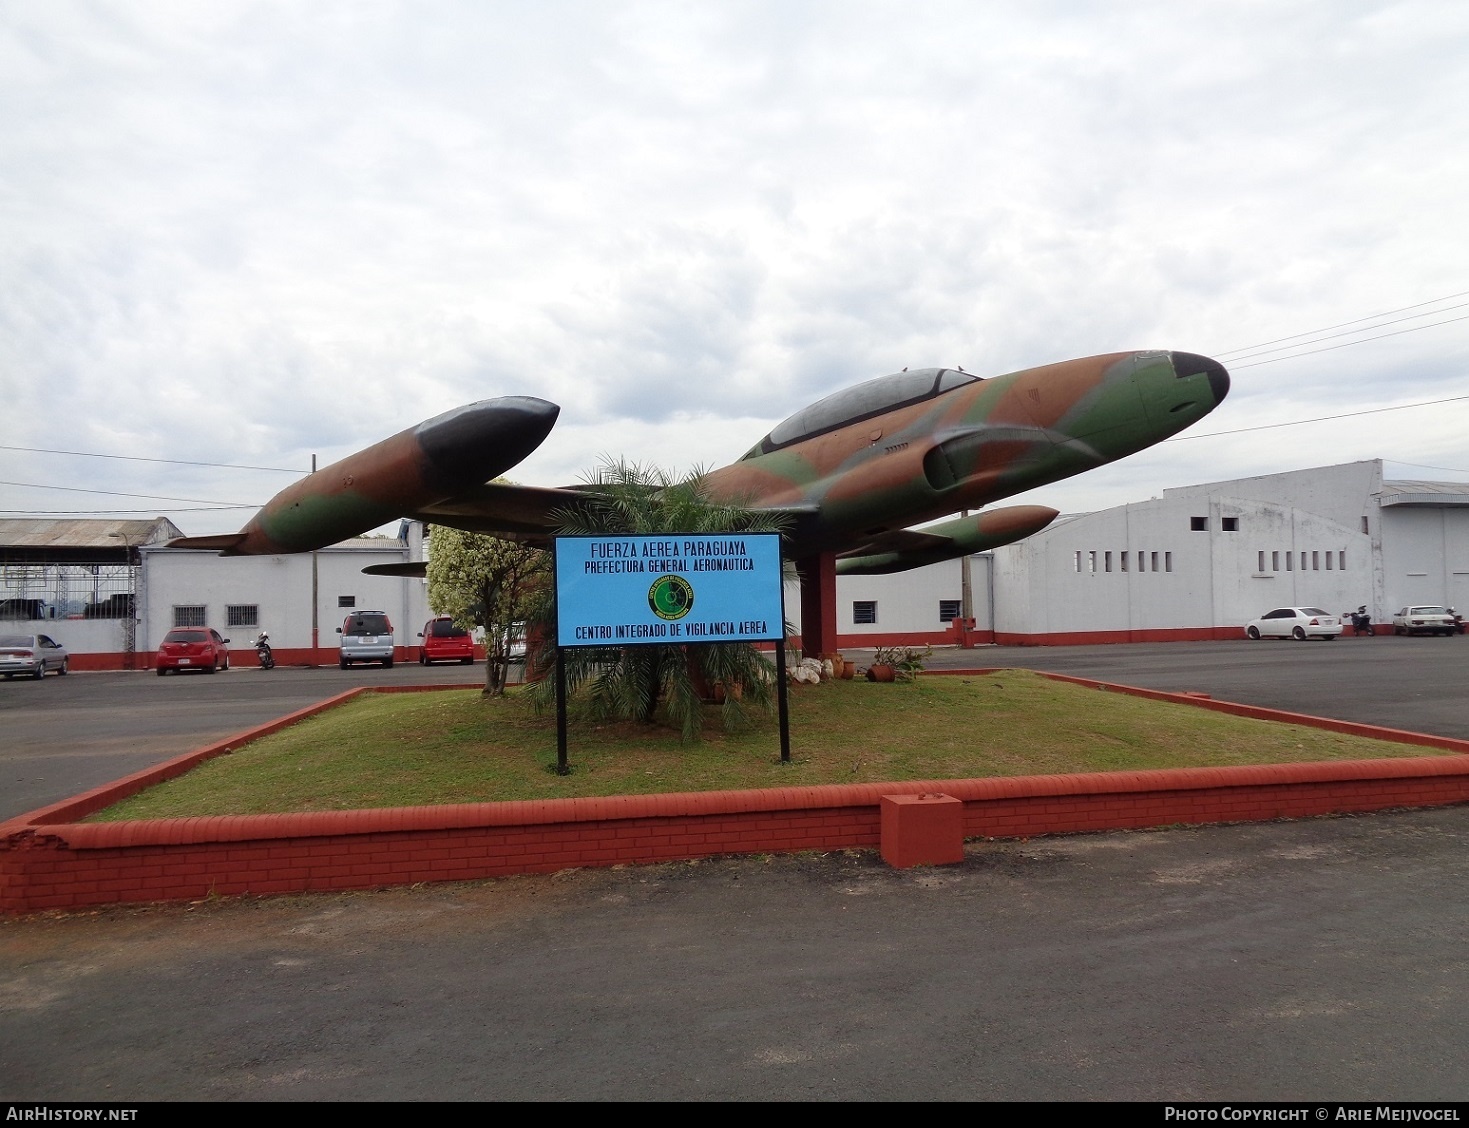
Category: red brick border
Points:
column 48, row 860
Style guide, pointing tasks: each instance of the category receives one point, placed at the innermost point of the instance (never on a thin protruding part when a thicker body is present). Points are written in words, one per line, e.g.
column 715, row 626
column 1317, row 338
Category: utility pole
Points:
column 315, row 600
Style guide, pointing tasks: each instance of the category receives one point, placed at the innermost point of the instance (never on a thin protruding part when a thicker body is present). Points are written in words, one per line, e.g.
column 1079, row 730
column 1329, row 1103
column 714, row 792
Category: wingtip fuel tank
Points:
column 435, row 460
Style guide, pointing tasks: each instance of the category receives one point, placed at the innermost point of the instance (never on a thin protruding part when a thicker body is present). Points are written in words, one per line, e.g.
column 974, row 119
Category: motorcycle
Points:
column 263, row 653
column 1361, row 621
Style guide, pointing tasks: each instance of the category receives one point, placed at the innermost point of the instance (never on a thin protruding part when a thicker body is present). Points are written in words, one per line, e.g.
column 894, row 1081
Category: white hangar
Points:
column 1197, row 562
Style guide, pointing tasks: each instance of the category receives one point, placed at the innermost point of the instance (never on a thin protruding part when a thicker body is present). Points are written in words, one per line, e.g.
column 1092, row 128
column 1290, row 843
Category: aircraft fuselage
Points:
column 962, row 446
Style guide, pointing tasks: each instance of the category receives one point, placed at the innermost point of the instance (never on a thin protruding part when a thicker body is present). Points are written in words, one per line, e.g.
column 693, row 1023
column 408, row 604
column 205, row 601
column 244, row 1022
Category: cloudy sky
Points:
column 249, row 232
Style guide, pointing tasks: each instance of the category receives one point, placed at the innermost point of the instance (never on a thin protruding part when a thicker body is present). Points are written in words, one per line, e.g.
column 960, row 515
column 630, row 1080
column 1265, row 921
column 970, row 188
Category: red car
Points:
column 444, row 642
column 192, row 648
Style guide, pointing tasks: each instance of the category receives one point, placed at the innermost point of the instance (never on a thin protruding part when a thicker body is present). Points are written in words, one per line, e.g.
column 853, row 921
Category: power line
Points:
column 1318, row 419
column 1423, row 466
column 1350, row 332
column 1346, row 344
column 116, row 512
column 123, row 493
column 139, row 458
column 1344, row 324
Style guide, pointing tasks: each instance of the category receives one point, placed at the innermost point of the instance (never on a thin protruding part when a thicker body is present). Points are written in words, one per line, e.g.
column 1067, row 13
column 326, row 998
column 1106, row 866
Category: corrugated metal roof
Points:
column 1411, row 492
column 27, row 532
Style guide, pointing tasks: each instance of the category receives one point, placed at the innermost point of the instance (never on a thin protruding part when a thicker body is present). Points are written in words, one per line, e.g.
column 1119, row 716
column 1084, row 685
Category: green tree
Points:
column 635, row 682
column 483, row 581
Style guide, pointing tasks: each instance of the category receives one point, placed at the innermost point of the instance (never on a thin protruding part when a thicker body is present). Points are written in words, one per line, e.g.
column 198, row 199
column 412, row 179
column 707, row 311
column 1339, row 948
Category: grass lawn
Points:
column 394, row 750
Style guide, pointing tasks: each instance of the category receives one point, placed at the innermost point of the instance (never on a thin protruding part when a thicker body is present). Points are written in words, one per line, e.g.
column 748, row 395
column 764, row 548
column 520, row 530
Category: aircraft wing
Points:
column 520, row 513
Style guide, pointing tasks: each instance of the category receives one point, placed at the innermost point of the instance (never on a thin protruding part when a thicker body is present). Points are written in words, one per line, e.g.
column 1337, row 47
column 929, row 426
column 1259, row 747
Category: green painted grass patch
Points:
column 394, row 750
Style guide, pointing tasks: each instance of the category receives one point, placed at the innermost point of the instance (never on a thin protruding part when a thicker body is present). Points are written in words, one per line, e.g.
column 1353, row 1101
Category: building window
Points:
column 1198, row 524
column 1341, row 560
column 1303, row 562
column 864, row 611
column 1316, row 561
column 1142, row 561
column 1123, row 557
column 189, row 616
column 949, row 610
column 1364, row 524
column 1168, row 562
column 1260, row 565
column 346, row 601
column 1328, row 561
column 242, row 615
column 1076, row 561
column 1107, row 561
column 1155, row 561
column 1091, row 561
column 1275, row 561
column 1290, row 559
column 1230, row 524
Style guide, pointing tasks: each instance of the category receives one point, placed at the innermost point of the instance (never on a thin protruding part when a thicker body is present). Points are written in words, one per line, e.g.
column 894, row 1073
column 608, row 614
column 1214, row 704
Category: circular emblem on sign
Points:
column 671, row 597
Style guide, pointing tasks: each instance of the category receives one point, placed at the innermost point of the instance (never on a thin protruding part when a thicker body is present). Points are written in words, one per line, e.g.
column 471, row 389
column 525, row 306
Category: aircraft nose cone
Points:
column 1192, row 364
column 480, row 441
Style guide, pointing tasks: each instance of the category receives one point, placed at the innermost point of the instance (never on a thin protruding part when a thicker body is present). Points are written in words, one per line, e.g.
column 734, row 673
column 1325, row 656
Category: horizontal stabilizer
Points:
column 417, row 568
column 223, row 543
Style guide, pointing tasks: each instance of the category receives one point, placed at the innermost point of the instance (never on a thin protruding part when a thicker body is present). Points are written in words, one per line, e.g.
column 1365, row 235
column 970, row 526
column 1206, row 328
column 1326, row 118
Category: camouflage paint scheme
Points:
column 854, row 489
column 853, row 484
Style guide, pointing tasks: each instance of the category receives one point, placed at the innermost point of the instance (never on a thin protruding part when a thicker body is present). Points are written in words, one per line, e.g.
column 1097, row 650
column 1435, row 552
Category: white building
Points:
column 1197, row 562
column 298, row 599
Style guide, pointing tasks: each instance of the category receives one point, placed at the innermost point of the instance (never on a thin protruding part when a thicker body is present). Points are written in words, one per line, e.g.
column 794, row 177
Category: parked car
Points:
column 119, row 606
column 192, row 648
column 32, row 655
column 367, row 636
column 445, row 642
column 1295, row 622
column 1423, row 620
column 23, row 609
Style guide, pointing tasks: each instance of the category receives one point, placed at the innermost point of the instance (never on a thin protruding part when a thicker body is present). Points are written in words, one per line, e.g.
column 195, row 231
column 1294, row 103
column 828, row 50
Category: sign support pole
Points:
column 780, row 696
column 562, row 768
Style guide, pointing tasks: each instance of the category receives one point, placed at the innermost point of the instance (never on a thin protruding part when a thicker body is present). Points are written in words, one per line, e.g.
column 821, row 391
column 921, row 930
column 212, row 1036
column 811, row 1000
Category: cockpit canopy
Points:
column 862, row 401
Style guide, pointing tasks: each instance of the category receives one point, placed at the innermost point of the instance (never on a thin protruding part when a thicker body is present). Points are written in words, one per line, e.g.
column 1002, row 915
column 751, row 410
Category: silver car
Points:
column 31, row 654
column 367, row 636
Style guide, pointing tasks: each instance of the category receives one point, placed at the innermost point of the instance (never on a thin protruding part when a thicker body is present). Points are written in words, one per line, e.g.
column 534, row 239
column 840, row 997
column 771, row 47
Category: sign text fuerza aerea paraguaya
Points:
column 673, row 555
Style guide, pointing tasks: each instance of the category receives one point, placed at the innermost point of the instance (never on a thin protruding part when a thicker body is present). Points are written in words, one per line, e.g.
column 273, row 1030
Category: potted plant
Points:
column 897, row 663
column 884, row 666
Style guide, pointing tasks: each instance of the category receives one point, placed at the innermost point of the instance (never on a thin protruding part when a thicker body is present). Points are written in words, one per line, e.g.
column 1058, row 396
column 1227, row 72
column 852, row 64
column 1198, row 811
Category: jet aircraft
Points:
column 853, row 472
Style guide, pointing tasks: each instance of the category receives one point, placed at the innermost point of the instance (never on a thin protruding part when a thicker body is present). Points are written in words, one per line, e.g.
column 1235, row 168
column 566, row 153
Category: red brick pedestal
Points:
column 922, row 830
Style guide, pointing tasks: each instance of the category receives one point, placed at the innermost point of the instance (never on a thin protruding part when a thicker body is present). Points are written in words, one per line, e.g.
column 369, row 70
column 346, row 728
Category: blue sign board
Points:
column 675, row 588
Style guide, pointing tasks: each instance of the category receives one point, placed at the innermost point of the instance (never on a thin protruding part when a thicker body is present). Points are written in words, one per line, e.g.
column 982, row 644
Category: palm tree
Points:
column 634, row 682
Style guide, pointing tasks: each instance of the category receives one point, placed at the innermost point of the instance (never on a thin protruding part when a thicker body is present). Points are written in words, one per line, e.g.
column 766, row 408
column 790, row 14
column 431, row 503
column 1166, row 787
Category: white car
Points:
column 31, row 654
column 1423, row 620
column 1295, row 622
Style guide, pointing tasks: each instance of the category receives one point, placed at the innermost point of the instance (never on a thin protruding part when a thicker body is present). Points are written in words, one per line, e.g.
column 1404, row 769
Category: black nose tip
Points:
column 1192, row 364
column 481, row 440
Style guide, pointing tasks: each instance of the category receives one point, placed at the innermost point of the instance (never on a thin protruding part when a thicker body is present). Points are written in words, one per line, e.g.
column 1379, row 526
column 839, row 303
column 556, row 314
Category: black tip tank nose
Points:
column 1192, row 364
